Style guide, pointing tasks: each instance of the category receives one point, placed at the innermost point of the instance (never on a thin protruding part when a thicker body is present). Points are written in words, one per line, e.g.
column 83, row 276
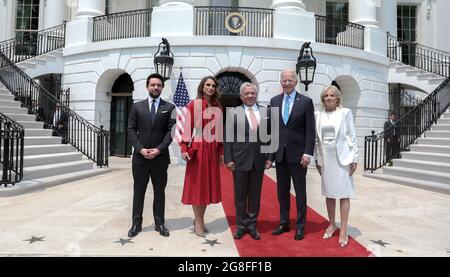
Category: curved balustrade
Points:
column 31, row 44
column 333, row 31
column 83, row 135
column 418, row 55
column 11, row 155
column 411, row 126
column 129, row 24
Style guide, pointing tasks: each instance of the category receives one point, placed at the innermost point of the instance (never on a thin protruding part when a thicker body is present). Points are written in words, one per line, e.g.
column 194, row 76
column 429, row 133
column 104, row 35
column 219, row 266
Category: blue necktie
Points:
column 152, row 112
column 287, row 101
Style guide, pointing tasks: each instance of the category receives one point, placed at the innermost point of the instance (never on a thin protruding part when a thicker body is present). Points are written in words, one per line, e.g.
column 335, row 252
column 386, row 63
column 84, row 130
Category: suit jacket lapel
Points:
column 338, row 121
column 294, row 105
column 159, row 111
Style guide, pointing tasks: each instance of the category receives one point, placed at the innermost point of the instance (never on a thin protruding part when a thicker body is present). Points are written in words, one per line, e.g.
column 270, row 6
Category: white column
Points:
column 288, row 4
column 388, row 16
column 55, row 12
column 173, row 18
column 292, row 21
column 80, row 30
column 90, row 8
column 363, row 12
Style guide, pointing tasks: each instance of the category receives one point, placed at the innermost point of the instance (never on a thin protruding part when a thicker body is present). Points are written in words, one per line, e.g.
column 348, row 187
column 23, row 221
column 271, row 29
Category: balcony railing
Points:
column 333, row 31
column 233, row 21
column 32, row 44
column 410, row 127
column 129, row 24
column 418, row 55
column 11, row 155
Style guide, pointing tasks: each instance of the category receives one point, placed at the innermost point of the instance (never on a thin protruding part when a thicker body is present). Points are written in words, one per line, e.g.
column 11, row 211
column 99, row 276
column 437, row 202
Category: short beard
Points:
column 154, row 96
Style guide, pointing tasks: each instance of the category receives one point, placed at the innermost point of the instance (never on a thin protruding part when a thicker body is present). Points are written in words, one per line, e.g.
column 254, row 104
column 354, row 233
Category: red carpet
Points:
column 284, row 245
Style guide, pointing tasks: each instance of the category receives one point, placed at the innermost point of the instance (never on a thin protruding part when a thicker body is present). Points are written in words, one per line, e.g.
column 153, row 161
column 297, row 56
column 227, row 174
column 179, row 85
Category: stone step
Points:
column 56, row 169
column 21, row 117
column 440, row 149
column 433, row 141
column 426, row 76
column 37, row 160
column 437, row 134
column 9, row 103
column 404, row 68
column 30, row 150
column 425, row 165
column 427, row 185
column 431, row 157
column 42, row 140
column 414, row 72
column 6, row 97
column 446, row 115
column 436, row 81
column 13, row 110
column 441, row 127
column 38, row 132
column 418, row 174
column 31, row 124
column 4, row 91
column 47, row 182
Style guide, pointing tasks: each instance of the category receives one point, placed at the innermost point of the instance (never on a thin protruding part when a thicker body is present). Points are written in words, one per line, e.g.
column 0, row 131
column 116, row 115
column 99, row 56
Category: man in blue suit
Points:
column 296, row 148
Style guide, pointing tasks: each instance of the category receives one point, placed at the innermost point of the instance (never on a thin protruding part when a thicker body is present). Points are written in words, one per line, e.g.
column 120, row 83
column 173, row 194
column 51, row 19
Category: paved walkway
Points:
column 91, row 217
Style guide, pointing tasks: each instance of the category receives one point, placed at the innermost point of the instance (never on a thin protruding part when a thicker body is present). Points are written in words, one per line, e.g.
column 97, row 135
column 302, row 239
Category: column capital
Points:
column 288, row 4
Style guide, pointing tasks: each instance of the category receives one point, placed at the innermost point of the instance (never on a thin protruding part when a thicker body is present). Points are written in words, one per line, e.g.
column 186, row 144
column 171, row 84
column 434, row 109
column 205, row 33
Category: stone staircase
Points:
column 52, row 62
column 427, row 164
column 46, row 160
column 406, row 74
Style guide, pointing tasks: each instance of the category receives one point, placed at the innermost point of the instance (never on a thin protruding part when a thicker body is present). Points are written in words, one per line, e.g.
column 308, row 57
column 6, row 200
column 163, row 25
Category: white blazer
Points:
column 344, row 130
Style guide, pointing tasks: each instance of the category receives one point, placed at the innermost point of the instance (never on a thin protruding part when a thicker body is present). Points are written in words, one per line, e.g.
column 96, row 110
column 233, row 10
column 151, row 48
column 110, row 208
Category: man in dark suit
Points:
column 149, row 129
column 391, row 137
column 244, row 156
column 296, row 147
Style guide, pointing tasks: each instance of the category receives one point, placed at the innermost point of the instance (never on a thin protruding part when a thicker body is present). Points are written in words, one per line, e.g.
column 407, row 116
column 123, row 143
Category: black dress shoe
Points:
column 135, row 229
column 162, row 230
column 255, row 234
column 280, row 230
column 239, row 233
column 299, row 235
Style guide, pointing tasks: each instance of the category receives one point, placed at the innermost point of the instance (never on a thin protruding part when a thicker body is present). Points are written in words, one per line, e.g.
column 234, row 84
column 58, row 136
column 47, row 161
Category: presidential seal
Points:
column 235, row 22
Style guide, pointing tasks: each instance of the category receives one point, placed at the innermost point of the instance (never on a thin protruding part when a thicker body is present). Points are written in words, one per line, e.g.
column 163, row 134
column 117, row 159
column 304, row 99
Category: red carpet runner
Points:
column 284, row 245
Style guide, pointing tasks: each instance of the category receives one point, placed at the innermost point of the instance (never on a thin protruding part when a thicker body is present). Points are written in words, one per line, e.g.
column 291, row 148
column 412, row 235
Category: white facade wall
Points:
column 91, row 71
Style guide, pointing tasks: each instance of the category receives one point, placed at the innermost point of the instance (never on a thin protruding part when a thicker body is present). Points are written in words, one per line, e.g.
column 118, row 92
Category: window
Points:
column 27, row 24
column 406, row 23
column 336, row 22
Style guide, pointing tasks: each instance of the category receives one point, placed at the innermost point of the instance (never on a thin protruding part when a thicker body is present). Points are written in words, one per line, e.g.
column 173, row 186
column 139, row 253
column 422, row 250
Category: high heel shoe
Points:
column 345, row 242
column 328, row 234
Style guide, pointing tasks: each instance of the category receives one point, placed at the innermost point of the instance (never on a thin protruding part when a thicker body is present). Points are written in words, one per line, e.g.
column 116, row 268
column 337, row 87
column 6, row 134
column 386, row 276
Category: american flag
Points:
column 180, row 99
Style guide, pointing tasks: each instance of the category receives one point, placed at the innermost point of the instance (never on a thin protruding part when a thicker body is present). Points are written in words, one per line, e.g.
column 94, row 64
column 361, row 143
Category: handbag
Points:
column 192, row 146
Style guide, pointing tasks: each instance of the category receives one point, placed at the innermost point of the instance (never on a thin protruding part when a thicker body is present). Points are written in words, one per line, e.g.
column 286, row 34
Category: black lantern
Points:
column 306, row 65
column 163, row 59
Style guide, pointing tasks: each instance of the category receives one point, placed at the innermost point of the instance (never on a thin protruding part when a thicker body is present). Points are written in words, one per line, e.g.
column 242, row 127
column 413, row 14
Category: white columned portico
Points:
column 388, row 16
column 79, row 31
column 55, row 12
column 364, row 12
column 292, row 21
column 173, row 18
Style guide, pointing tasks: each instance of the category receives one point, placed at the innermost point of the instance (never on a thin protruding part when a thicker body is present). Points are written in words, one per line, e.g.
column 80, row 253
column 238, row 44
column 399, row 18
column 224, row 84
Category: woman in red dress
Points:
column 202, row 149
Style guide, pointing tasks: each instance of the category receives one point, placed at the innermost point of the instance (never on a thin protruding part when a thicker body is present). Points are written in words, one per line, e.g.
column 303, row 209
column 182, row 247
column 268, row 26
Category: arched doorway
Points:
column 229, row 84
column 121, row 102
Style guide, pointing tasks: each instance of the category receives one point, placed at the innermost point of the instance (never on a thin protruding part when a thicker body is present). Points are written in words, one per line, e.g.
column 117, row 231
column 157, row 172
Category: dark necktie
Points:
column 152, row 112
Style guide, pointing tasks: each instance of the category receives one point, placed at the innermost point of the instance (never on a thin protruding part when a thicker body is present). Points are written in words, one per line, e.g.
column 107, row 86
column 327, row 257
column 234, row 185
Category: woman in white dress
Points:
column 336, row 155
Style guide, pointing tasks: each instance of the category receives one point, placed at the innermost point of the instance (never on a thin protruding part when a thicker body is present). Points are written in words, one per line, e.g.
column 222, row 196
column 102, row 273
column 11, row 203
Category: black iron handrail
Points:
column 83, row 135
column 32, row 44
column 332, row 31
column 418, row 55
column 409, row 128
column 128, row 24
column 11, row 150
column 211, row 21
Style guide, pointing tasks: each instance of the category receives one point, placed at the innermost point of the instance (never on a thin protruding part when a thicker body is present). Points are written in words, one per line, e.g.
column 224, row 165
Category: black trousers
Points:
column 247, row 196
column 285, row 172
column 141, row 175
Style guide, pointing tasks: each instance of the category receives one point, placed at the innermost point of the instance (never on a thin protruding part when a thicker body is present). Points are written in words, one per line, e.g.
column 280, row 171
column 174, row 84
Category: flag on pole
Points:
column 180, row 99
